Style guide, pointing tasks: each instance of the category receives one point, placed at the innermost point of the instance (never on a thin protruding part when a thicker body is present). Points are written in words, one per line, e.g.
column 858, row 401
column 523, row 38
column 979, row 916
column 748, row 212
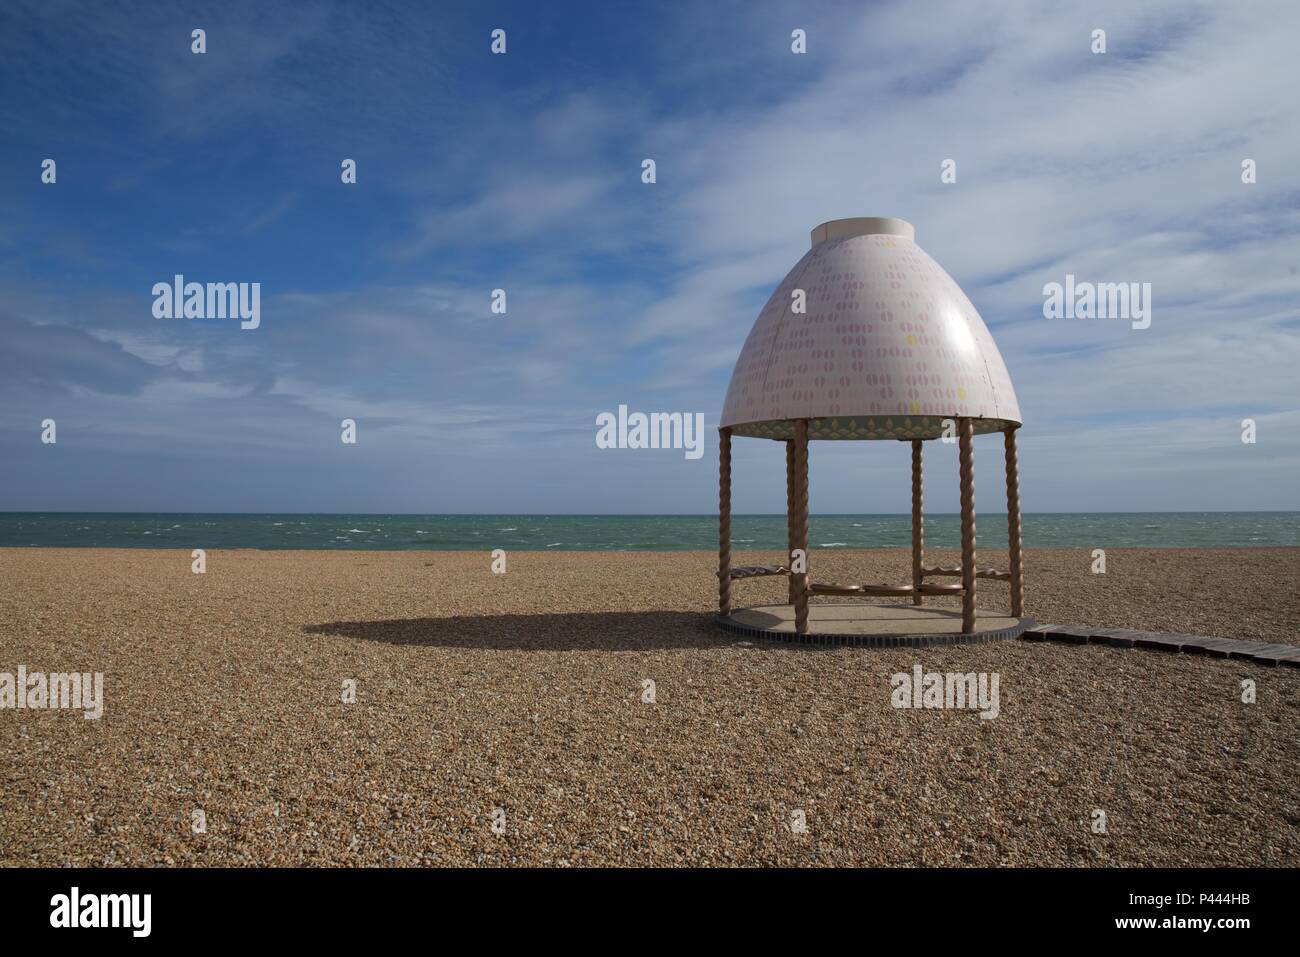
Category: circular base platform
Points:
column 880, row 626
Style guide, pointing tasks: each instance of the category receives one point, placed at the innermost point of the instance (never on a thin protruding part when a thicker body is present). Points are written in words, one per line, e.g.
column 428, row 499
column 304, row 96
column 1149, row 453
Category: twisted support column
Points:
column 724, row 521
column 966, row 457
column 918, row 523
column 789, row 514
column 1014, row 547
column 800, row 512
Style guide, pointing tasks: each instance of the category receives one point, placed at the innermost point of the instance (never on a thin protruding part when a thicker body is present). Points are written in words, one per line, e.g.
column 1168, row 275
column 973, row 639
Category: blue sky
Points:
column 523, row 172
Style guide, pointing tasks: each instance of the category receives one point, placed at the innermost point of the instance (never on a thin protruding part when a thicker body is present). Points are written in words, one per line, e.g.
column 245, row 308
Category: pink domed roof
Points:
column 887, row 348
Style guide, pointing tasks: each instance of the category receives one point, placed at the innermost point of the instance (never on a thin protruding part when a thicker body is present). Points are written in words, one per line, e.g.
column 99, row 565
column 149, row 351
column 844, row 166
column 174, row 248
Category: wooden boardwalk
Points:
column 1259, row 652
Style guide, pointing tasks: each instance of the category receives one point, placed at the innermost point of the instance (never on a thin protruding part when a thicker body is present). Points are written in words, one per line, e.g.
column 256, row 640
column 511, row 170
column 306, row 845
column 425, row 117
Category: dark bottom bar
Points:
column 333, row 907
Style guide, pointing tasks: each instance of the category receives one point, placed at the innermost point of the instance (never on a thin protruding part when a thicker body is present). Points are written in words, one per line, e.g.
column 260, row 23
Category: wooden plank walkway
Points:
column 1259, row 652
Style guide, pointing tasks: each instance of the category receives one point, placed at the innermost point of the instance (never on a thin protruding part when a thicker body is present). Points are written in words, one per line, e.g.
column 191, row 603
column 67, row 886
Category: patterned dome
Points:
column 887, row 347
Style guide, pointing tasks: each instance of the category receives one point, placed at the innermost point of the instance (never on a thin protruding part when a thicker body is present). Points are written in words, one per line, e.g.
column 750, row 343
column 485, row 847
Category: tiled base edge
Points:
column 878, row 641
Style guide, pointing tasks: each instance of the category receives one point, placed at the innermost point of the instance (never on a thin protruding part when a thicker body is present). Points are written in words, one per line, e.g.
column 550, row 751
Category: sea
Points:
column 632, row 532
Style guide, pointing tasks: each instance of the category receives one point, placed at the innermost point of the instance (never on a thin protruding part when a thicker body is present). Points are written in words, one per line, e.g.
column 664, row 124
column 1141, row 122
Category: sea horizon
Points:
column 379, row 531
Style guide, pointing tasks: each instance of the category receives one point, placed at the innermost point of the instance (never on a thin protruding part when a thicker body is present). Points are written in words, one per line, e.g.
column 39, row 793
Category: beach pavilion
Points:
column 867, row 338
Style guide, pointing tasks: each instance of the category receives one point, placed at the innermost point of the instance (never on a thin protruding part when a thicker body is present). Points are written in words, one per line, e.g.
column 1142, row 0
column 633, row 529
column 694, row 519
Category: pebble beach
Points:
column 507, row 719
